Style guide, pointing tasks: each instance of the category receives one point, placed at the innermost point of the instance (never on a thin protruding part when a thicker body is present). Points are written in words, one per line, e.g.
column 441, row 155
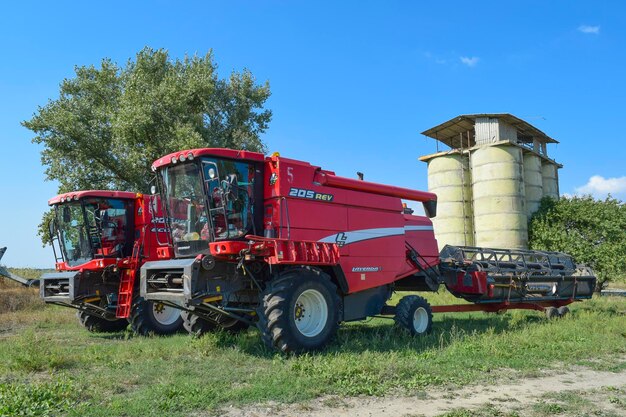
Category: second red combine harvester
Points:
column 102, row 238
column 296, row 250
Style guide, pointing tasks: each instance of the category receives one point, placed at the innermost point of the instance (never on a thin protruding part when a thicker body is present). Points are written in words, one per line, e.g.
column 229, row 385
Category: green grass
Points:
column 119, row 374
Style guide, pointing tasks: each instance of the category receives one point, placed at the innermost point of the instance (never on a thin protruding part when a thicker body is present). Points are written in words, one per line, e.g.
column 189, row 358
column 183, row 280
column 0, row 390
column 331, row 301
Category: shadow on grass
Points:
column 129, row 334
column 382, row 335
column 121, row 335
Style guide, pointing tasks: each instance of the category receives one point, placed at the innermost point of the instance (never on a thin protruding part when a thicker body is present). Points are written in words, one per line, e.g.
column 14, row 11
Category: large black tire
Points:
column 100, row 325
column 196, row 326
column 414, row 314
column 551, row 313
column 145, row 320
column 300, row 311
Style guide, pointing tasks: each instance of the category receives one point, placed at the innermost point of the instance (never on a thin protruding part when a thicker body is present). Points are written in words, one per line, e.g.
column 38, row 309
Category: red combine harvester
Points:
column 296, row 250
column 103, row 237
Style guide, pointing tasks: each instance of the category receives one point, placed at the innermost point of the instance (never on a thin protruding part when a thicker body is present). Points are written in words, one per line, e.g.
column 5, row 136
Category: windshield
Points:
column 73, row 234
column 208, row 200
column 94, row 227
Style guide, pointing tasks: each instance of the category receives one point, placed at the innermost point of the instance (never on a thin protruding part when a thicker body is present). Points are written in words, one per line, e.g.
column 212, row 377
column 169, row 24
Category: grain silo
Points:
column 490, row 180
column 448, row 177
column 499, row 197
column 550, row 178
column 533, row 182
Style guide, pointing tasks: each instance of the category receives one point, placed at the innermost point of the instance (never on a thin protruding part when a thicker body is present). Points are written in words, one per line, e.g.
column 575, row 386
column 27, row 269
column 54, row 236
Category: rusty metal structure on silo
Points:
column 489, row 180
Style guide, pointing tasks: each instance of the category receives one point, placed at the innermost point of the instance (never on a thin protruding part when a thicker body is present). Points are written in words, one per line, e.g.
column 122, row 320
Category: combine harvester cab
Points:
column 100, row 239
column 294, row 249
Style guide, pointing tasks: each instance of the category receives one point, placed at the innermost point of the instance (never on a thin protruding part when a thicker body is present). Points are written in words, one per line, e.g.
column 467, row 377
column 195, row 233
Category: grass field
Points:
column 51, row 366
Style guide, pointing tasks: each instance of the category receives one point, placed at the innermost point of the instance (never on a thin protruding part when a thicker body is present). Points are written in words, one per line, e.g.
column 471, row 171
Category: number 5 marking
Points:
column 290, row 175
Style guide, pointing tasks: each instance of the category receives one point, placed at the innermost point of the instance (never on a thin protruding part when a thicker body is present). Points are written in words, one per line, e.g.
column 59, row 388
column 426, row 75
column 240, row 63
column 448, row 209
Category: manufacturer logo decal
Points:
column 367, row 269
column 273, row 178
column 310, row 194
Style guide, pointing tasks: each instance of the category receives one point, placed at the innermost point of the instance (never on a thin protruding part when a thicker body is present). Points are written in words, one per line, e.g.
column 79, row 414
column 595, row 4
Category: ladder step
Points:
column 125, row 294
column 127, row 284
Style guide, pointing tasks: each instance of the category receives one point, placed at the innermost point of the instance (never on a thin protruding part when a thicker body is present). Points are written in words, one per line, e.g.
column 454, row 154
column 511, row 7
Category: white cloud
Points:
column 600, row 187
column 594, row 30
column 470, row 61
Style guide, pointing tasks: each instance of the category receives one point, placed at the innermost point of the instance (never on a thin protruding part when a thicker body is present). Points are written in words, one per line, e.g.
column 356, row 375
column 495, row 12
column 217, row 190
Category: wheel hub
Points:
column 165, row 315
column 310, row 313
column 299, row 311
column 420, row 320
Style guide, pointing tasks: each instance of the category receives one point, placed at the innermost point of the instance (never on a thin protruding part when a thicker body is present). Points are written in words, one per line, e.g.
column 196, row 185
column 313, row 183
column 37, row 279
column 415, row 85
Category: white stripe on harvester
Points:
column 345, row 238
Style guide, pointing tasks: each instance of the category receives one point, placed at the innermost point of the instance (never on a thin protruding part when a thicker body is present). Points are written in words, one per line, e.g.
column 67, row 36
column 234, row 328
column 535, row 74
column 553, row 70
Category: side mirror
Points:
column 154, row 205
column 233, row 187
column 67, row 215
column 430, row 207
column 52, row 229
column 153, row 190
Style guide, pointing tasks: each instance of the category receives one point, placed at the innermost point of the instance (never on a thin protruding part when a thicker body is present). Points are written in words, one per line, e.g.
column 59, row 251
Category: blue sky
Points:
column 353, row 83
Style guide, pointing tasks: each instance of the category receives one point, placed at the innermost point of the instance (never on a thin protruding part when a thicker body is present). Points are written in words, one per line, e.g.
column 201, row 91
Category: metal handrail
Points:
column 280, row 225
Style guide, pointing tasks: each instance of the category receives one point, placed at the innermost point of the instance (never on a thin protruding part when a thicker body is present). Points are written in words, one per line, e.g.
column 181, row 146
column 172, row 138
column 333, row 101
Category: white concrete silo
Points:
column 533, row 181
column 448, row 177
column 550, row 178
column 499, row 200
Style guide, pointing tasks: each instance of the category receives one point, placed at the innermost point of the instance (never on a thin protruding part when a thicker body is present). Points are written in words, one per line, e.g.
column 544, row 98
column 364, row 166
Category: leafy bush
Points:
column 592, row 231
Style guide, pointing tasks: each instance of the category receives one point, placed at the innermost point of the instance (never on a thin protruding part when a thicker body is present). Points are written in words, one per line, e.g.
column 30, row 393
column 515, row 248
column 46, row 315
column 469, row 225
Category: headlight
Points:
column 174, row 160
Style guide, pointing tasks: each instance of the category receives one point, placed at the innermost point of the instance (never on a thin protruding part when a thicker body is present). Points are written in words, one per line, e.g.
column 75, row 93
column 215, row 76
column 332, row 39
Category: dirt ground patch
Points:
column 514, row 397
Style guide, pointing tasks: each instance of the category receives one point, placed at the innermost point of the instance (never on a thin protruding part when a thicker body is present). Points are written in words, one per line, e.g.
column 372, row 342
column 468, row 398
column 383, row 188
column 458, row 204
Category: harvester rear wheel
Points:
column 300, row 311
column 196, row 326
column 149, row 317
column 100, row 325
column 552, row 313
column 414, row 314
column 563, row 311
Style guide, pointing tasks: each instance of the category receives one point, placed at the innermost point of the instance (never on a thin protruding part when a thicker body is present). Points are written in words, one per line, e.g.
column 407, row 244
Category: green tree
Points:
column 110, row 123
column 592, row 231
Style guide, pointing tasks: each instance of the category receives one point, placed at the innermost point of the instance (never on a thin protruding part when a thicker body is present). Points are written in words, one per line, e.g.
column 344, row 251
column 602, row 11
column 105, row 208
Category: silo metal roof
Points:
column 448, row 132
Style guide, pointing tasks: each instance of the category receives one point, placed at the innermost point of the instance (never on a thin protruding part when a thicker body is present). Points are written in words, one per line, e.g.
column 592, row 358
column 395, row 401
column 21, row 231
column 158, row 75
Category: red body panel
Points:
column 218, row 152
column 124, row 195
column 366, row 222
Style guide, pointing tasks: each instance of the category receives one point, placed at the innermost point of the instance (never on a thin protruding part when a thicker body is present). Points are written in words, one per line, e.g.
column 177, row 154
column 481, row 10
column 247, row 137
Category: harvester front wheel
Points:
column 100, row 325
column 414, row 314
column 300, row 311
column 196, row 326
column 149, row 317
